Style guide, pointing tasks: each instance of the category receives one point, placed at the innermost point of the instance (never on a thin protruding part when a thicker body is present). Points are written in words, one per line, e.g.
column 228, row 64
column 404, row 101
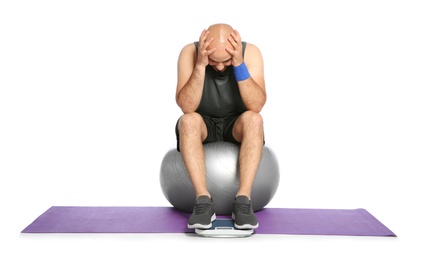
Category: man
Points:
column 221, row 91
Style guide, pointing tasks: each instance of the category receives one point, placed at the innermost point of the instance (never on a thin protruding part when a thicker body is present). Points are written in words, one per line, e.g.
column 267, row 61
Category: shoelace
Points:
column 201, row 208
column 243, row 208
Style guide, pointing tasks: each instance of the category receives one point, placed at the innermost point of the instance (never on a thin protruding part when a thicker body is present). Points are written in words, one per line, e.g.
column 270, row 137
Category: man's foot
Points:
column 243, row 214
column 203, row 213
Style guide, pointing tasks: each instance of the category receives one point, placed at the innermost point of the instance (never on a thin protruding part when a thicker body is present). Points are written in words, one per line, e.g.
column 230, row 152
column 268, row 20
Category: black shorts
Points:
column 219, row 129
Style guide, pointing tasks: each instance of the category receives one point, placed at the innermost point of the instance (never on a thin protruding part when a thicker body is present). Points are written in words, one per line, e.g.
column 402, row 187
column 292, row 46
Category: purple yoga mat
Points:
column 71, row 219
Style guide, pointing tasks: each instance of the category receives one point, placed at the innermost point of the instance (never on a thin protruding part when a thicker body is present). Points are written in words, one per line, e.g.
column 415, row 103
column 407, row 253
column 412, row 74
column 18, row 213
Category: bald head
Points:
column 220, row 33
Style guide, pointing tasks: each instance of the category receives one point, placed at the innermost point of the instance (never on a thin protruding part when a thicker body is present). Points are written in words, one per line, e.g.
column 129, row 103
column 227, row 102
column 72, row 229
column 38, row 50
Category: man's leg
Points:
column 192, row 132
column 248, row 130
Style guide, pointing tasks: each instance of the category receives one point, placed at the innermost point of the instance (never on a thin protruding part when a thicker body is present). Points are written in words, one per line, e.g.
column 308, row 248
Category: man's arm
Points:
column 190, row 80
column 252, row 89
column 191, row 69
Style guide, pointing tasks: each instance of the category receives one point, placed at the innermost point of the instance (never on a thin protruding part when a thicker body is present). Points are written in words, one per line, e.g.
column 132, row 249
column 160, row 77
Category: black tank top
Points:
column 221, row 96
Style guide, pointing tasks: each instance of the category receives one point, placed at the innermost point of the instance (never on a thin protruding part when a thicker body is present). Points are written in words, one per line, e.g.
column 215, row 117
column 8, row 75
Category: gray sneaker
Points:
column 203, row 213
column 243, row 214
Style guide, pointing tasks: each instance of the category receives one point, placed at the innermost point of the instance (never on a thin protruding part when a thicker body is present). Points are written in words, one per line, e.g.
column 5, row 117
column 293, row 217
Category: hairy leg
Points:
column 192, row 132
column 248, row 130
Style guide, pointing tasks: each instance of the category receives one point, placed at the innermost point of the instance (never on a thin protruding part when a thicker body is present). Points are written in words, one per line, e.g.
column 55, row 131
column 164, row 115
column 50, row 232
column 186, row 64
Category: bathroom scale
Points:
column 224, row 228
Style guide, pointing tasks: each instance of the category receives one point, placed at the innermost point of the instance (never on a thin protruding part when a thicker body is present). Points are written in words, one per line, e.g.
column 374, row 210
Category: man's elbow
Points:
column 186, row 108
column 256, row 108
column 259, row 106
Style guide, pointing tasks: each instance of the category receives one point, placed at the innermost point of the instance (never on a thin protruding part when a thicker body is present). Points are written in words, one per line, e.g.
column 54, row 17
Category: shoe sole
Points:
column 245, row 226
column 201, row 226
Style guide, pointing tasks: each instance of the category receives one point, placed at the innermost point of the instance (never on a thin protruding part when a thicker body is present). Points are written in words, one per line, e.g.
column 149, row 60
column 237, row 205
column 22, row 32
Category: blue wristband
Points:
column 241, row 72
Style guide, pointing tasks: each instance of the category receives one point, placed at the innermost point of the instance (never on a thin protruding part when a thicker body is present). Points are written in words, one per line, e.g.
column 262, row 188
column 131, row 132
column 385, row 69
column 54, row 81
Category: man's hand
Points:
column 203, row 53
column 237, row 52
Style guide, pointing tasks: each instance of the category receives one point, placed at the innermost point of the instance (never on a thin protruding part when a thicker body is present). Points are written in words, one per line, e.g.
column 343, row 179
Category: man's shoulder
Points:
column 188, row 50
column 252, row 49
column 251, row 46
column 190, row 47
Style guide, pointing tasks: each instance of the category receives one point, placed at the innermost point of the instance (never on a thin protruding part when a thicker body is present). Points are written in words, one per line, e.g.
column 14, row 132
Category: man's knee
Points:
column 252, row 119
column 190, row 121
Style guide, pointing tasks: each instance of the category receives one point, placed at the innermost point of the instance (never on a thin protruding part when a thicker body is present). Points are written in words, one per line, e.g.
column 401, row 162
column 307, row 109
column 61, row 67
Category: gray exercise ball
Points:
column 221, row 160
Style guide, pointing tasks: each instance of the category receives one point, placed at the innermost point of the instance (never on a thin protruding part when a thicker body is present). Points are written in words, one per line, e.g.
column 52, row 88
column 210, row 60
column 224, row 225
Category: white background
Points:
column 87, row 112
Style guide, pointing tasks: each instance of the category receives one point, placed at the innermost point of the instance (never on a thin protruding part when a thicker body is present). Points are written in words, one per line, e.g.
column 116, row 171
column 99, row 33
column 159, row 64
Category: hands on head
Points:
column 220, row 46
